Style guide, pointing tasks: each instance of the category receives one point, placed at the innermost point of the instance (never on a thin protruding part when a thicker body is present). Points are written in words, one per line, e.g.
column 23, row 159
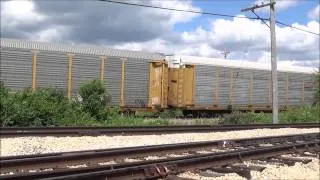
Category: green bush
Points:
column 27, row 108
column 5, row 106
column 300, row 115
column 76, row 116
column 171, row 113
column 317, row 93
column 95, row 99
column 237, row 117
column 49, row 107
column 3, row 90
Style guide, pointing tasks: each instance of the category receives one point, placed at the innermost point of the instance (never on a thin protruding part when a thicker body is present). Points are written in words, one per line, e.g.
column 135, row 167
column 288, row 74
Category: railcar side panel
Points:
column 261, row 88
column 204, row 82
column 112, row 79
column 241, row 87
column 235, row 88
column 85, row 68
column 158, row 85
column 52, row 70
column 181, row 86
column 136, row 83
column 15, row 68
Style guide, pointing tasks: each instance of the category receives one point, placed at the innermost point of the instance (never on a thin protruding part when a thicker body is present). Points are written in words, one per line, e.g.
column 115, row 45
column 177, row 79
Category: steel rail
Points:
column 129, row 130
column 161, row 168
column 60, row 160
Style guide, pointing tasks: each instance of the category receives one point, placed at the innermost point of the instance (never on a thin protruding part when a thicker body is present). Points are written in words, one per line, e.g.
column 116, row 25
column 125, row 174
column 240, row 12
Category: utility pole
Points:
column 225, row 53
column 273, row 57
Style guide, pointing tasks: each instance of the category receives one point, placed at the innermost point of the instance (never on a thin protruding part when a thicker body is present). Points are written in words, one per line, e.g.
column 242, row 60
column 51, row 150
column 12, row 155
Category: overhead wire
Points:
column 179, row 10
column 208, row 13
column 283, row 24
column 260, row 18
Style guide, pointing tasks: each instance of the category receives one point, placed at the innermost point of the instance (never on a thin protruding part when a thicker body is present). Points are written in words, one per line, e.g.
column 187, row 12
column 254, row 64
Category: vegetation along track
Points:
column 129, row 130
column 159, row 161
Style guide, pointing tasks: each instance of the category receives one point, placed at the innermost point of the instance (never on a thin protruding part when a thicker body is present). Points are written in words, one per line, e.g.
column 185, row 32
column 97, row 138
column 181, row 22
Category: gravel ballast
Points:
column 49, row 144
column 299, row 171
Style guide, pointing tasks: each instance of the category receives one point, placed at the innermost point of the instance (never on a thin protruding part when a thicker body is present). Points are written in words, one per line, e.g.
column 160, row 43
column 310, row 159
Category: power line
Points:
column 206, row 13
column 180, row 10
column 281, row 23
column 260, row 18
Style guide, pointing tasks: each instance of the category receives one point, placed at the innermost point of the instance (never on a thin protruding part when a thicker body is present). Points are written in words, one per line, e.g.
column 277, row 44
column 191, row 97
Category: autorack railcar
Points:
column 152, row 81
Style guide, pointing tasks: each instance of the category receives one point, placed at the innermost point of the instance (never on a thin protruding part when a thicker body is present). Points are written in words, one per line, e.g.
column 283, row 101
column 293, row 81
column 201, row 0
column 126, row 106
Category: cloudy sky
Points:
column 138, row 28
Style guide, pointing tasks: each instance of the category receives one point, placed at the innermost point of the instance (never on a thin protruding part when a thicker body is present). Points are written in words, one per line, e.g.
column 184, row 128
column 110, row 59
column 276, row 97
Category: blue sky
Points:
column 295, row 13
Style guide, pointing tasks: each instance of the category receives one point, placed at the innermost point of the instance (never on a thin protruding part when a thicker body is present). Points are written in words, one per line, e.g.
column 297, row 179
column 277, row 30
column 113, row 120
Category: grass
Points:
column 305, row 114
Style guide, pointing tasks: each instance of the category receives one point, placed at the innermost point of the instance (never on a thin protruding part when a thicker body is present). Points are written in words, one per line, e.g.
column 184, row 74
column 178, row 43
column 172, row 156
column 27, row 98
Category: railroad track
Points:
column 133, row 130
column 159, row 161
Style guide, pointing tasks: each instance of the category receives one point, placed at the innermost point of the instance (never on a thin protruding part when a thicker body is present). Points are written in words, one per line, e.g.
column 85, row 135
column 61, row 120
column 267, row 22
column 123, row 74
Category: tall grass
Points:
column 305, row 114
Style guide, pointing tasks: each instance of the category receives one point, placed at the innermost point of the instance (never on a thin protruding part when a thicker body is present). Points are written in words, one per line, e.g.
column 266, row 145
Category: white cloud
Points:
column 314, row 13
column 155, row 45
column 152, row 30
column 175, row 16
column 280, row 4
column 113, row 23
column 14, row 13
column 247, row 40
column 50, row 34
column 238, row 33
column 198, row 35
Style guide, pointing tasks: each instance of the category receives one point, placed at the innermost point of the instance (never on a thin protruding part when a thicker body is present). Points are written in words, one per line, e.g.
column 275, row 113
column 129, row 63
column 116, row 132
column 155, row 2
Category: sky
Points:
column 138, row 28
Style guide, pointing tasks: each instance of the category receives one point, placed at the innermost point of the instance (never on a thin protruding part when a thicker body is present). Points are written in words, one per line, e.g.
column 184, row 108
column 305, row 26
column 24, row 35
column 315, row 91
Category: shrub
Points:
column 237, row 117
column 49, row 107
column 76, row 116
column 3, row 90
column 317, row 90
column 95, row 99
column 300, row 115
column 29, row 108
column 171, row 113
column 5, row 106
